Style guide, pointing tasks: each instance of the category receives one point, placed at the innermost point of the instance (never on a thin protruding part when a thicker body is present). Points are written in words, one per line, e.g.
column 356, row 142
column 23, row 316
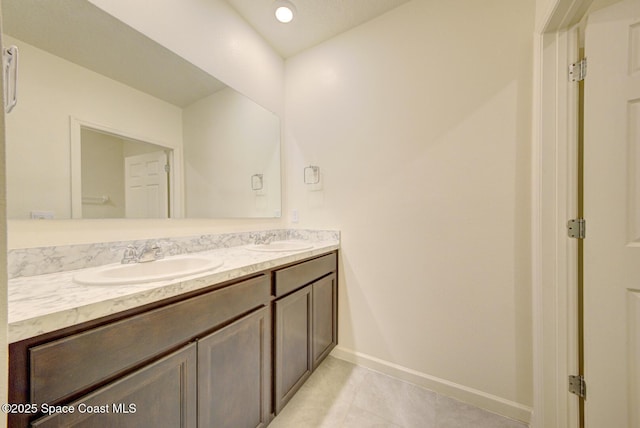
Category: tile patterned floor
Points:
column 342, row 395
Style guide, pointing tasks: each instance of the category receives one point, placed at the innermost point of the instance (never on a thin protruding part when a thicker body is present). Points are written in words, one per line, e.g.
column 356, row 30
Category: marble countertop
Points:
column 44, row 303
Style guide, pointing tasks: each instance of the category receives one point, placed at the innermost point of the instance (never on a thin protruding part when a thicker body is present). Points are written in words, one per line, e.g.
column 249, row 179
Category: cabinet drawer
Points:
column 162, row 394
column 67, row 366
column 294, row 277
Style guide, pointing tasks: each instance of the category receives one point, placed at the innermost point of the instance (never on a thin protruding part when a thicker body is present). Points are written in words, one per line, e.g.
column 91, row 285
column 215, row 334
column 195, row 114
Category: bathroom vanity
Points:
column 223, row 353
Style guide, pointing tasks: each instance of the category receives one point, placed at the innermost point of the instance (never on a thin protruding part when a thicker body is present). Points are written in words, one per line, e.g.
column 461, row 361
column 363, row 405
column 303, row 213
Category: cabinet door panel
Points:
column 234, row 372
column 325, row 307
column 293, row 344
column 162, row 394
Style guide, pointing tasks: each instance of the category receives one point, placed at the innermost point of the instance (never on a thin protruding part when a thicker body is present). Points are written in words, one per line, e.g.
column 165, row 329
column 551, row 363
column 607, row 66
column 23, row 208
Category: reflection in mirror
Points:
column 121, row 177
column 218, row 171
column 92, row 90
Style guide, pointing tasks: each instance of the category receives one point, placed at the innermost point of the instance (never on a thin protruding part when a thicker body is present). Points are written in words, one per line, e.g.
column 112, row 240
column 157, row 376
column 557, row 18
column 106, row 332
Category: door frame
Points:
column 554, row 201
column 174, row 158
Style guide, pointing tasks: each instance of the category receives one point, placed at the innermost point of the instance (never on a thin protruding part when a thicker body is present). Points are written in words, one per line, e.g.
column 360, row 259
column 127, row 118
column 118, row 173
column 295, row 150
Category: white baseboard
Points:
column 463, row 393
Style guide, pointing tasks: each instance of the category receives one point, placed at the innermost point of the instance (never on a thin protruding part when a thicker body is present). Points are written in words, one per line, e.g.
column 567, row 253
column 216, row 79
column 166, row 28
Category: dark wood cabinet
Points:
column 306, row 321
column 227, row 356
column 292, row 344
column 64, row 367
column 162, row 394
column 324, row 336
column 234, row 374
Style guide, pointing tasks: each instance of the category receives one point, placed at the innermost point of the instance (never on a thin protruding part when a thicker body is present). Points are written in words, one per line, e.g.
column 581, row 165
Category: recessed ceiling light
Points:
column 284, row 11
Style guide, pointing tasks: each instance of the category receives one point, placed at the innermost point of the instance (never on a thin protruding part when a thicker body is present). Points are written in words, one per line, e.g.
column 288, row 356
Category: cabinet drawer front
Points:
column 67, row 366
column 162, row 394
column 294, row 277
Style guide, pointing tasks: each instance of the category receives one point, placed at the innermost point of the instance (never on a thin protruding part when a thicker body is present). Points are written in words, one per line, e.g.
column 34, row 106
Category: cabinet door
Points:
column 293, row 344
column 162, row 394
column 325, row 316
column 234, row 372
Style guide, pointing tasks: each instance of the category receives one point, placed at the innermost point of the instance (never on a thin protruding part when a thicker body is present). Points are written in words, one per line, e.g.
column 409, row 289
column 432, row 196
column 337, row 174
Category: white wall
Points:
column 4, row 358
column 420, row 123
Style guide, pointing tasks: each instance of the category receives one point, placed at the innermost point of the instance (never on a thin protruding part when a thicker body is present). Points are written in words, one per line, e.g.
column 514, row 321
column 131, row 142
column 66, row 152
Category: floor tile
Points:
column 452, row 413
column 396, row 401
column 324, row 400
column 342, row 395
column 358, row 418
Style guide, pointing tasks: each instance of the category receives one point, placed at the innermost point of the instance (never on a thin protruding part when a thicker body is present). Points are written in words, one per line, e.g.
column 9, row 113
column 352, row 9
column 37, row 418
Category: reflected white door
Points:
column 146, row 186
column 612, row 211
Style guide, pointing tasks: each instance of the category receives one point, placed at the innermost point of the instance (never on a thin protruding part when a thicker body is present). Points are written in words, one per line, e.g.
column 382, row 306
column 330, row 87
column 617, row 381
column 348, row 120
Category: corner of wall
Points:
column 4, row 359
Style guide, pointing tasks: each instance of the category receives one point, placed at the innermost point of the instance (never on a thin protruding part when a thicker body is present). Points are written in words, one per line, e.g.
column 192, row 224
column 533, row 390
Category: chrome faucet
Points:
column 130, row 255
column 148, row 253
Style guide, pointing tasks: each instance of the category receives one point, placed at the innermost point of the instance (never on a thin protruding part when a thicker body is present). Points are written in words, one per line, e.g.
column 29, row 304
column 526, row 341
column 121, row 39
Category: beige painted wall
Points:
column 420, row 123
column 544, row 9
column 102, row 174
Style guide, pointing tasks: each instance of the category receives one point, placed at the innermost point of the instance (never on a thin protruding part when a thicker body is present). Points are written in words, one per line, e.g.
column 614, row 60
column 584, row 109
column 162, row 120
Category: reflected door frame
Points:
column 176, row 205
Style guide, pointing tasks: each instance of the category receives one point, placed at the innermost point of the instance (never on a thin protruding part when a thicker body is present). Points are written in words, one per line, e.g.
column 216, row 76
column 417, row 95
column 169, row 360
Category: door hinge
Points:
column 166, row 168
column 577, row 228
column 578, row 70
column 578, row 386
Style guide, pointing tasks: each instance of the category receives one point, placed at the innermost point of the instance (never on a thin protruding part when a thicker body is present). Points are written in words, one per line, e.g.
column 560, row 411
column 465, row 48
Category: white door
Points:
column 612, row 211
column 146, row 186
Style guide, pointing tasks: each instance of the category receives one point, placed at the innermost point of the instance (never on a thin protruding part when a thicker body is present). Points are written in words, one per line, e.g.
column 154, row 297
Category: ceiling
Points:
column 82, row 33
column 315, row 20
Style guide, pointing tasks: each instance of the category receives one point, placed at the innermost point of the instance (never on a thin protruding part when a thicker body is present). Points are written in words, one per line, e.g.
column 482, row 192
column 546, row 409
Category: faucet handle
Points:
column 257, row 239
column 157, row 251
column 270, row 237
column 130, row 255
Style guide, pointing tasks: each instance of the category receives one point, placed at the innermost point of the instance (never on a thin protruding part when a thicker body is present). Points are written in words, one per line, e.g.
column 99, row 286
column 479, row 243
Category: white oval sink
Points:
column 158, row 270
column 281, row 246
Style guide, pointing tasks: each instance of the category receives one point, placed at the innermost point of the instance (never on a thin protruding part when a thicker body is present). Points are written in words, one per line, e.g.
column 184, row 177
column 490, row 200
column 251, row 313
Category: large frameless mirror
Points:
column 109, row 124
